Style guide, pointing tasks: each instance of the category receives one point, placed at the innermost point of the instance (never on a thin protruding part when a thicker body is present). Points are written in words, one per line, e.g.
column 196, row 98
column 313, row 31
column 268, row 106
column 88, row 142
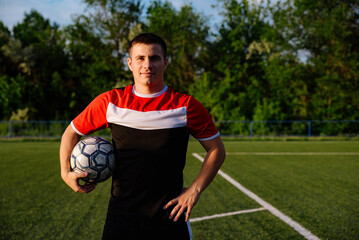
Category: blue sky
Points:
column 60, row 11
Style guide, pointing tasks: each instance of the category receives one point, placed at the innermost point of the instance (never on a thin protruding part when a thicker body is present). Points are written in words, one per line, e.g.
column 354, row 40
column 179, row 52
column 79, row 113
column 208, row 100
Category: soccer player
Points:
column 150, row 124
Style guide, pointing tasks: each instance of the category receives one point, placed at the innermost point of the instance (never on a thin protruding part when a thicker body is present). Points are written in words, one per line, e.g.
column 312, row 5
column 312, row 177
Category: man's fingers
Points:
column 188, row 213
column 175, row 211
column 80, row 174
column 75, row 185
column 170, row 203
column 88, row 187
column 179, row 213
column 183, row 204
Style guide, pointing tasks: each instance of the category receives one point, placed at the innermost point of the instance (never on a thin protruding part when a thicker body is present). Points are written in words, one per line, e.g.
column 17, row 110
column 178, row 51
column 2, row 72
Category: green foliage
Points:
column 185, row 33
column 11, row 90
column 34, row 54
column 233, row 70
column 289, row 60
column 97, row 48
column 256, row 70
column 288, row 88
column 328, row 32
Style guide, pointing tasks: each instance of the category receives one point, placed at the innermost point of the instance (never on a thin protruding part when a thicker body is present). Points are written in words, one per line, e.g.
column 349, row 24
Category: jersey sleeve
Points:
column 199, row 122
column 93, row 118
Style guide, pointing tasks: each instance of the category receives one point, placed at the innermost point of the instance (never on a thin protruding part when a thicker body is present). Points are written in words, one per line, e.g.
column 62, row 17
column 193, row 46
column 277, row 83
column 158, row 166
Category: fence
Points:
column 301, row 128
column 308, row 128
column 37, row 129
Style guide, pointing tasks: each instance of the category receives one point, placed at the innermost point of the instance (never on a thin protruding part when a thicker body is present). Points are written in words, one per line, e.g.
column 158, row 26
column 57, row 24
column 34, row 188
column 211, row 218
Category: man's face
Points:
column 148, row 65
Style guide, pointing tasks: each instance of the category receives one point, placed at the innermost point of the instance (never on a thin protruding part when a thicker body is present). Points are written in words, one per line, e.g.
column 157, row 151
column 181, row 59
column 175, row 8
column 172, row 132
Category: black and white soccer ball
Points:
column 94, row 155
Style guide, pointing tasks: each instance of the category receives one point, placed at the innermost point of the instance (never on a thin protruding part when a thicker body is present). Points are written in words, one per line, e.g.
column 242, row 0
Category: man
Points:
column 150, row 124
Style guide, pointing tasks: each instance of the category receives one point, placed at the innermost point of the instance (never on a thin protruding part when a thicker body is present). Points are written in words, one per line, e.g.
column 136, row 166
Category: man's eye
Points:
column 155, row 58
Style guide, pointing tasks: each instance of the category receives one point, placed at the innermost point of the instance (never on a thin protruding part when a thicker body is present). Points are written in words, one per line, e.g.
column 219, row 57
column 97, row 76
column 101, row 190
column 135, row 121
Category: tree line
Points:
column 282, row 60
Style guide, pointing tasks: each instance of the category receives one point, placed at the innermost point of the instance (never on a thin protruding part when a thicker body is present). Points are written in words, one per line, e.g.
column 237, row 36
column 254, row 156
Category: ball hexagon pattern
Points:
column 94, row 155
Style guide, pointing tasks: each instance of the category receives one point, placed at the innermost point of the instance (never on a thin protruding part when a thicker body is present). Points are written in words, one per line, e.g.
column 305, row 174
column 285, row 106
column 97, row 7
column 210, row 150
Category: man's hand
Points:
column 184, row 203
column 190, row 196
column 68, row 141
column 72, row 180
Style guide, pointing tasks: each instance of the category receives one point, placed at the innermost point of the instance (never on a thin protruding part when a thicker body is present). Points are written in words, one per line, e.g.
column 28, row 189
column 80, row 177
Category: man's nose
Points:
column 147, row 63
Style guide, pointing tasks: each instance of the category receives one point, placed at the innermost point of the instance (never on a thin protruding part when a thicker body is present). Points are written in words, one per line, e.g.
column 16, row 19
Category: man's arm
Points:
column 190, row 196
column 68, row 141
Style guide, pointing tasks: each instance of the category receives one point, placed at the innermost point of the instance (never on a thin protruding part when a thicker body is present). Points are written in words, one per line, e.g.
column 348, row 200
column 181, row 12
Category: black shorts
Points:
column 124, row 228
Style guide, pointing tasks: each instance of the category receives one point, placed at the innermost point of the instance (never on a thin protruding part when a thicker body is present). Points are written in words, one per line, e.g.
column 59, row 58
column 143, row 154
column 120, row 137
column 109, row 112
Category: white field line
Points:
column 296, row 226
column 296, row 153
column 226, row 214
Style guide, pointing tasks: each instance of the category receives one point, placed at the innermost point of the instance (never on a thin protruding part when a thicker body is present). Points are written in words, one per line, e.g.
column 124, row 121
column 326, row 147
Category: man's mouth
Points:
column 148, row 73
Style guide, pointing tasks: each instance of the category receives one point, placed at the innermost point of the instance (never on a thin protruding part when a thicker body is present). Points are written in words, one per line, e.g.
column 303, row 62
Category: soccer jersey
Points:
column 150, row 136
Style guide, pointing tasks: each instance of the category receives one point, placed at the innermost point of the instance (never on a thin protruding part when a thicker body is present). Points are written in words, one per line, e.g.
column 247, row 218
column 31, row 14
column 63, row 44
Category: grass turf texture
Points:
column 319, row 192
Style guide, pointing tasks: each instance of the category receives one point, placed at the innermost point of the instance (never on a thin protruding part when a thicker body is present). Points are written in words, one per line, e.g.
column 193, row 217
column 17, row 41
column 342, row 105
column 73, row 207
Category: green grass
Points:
column 319, row 192
column 36, row 203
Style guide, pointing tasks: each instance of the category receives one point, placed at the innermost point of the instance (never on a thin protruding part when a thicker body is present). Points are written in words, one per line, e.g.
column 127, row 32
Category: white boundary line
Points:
column 227, row 214
column 296, row 226
column 296, row 153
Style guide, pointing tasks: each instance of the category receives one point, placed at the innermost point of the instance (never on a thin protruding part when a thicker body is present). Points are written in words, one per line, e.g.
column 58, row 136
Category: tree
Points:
column 328, row 32
column 97, row 45
column 233, row 81
column 92, row 66
column 33, row 54
column 4, row 40
column 11, row 84
column 113, row 20
column 186, row 34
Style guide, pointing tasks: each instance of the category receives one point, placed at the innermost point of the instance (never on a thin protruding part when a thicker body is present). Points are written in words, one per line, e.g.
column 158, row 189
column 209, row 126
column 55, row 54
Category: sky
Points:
column 61, row 11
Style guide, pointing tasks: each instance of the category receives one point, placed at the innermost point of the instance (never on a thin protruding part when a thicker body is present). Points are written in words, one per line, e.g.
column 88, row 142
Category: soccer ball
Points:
column 94, row 155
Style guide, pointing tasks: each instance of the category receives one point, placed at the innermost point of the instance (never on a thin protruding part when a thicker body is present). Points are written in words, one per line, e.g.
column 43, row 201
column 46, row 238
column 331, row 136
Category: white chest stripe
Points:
column 150, row 120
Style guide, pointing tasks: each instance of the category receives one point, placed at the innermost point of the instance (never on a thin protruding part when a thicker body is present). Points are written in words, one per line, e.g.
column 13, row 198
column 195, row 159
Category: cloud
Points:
column 59, row 11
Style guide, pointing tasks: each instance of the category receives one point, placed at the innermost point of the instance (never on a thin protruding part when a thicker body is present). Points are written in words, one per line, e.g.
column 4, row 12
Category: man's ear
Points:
column 166, row 63
column 129, row 63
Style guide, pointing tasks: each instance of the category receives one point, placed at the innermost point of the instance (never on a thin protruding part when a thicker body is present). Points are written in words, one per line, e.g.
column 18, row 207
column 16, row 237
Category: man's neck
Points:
column 149, row 95
column 149, row 89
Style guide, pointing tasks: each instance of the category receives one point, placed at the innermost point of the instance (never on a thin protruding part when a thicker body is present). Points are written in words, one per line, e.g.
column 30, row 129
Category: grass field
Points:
column 315, row 183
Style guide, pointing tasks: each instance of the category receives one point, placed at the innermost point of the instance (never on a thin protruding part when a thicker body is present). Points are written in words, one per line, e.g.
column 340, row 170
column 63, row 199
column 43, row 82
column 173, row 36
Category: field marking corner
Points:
column 227, row 214
column 286, row 219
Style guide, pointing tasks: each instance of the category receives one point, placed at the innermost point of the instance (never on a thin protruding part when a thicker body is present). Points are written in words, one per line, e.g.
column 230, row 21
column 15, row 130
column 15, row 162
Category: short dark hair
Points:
column 148, row 38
